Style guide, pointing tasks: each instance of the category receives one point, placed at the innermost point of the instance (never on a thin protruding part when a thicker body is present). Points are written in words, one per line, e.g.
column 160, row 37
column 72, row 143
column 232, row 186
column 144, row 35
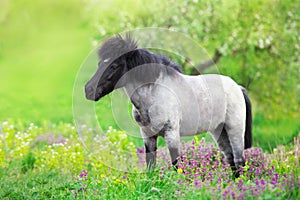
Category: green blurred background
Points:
column 43, row 43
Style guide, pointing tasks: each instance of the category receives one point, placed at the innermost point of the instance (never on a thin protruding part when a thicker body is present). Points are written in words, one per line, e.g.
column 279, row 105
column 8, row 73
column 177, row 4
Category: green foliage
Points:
column 28, row 162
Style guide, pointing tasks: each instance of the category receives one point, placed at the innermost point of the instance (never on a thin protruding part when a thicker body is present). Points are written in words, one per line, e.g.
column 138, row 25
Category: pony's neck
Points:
column 145, row 67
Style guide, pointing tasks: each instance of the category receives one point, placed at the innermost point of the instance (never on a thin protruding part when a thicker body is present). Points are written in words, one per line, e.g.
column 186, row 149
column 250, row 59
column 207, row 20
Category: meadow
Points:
column 42, row 46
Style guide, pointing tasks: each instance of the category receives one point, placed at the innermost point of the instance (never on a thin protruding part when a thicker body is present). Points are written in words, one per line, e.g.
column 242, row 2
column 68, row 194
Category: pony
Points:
column 170, row 104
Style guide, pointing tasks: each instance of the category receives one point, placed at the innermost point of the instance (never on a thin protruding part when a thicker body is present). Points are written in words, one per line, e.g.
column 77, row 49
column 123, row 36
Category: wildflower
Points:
column 117, row 181
column 240, row 184
column 102, row 176
column 196, row 139
column 179, row 170
column 83, row 173
column 213, row 190
column 197, row 184
column 82, row 188
column 233, row 194
column 256, row 182
column 241, row 197
column 225, row 193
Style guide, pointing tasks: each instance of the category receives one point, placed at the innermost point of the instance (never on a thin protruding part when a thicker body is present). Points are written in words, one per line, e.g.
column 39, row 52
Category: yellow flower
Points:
column 102, row 176
column 117, row 181
column 196, row 140
column 179, row 170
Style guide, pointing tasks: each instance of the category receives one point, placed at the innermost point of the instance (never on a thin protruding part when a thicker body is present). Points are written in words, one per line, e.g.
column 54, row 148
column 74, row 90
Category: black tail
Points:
column 248, row 129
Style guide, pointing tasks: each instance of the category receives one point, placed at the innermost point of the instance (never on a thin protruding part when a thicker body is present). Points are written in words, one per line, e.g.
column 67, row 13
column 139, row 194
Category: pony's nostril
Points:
column 89, row 91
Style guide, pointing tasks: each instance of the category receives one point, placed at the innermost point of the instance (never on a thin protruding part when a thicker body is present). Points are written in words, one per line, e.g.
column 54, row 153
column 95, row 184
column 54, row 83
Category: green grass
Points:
column 34, row 185
column 268, row 134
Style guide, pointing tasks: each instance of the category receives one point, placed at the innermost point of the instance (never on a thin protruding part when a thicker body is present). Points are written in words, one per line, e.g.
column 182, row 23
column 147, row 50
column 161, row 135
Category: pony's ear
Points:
column 119, row 36
column 132, row 44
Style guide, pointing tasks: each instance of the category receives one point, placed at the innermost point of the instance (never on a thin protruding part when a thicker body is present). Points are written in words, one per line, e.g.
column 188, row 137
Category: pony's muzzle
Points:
column 90, row 93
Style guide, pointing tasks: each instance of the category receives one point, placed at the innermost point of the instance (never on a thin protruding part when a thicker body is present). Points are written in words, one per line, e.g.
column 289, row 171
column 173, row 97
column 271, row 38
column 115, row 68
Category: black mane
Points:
column 126, row 48
column 139, row 57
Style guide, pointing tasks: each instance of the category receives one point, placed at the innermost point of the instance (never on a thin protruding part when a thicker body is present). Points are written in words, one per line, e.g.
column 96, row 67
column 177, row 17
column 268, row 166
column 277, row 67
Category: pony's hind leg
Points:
column 233, row 155
column 221, row 137
column 236, row 138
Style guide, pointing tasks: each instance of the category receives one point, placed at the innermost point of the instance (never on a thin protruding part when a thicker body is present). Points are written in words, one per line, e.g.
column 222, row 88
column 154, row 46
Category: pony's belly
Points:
column 196, row 116
column 188, row 129
column 182, row 134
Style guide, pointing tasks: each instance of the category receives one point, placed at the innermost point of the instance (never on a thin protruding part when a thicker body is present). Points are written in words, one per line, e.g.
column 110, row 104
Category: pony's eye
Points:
column 106, row 60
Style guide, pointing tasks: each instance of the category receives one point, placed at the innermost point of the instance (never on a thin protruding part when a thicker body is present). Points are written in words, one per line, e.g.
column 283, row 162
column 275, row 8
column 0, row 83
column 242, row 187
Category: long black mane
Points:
column 119, row 48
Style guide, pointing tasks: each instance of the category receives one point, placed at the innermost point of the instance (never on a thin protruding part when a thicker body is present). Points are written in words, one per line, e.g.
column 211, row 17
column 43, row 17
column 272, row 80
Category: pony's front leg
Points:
column 172, row 139
column 151, row 147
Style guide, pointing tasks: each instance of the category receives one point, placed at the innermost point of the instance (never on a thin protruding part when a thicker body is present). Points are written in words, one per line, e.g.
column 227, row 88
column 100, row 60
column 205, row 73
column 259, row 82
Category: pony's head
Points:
column 111, row 66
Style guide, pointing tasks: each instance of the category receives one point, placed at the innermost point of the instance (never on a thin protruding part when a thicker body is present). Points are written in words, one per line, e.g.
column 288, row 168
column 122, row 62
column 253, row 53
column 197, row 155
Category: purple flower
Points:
column 240, row 184
column 75, row 193
column 241, row 197
column 213, row 190
column 225, row 193
column 257, row 172
column 233, row 194
column 83, row 173
column 197, row 184
column 273, row 181
column 256, row 182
